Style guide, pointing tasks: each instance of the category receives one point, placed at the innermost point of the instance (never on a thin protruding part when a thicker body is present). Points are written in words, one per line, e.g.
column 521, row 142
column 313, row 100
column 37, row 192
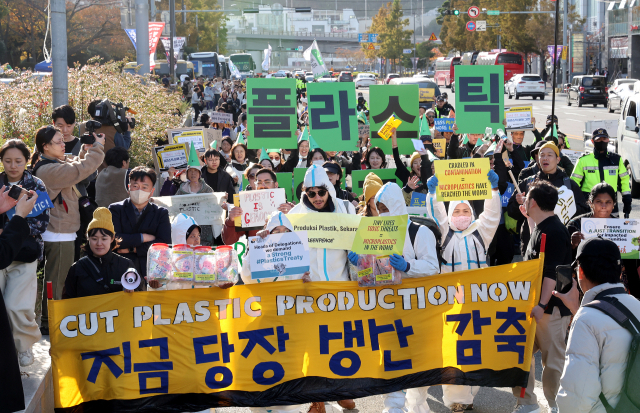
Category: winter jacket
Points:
column 224, row 182
column 454, row 151
column 596, row 356
column 326, row 264
column 186, row 190
column 236, row 170
column 90, row 275
column 421, row 255
column 464, row 250
column 110, row 186
column 294, row 162
column 59, row 178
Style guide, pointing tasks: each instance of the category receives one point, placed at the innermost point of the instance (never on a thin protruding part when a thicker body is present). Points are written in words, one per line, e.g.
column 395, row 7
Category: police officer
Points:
column 301, row 87
column 442, row 108
column 362, row 103
column 602, row 166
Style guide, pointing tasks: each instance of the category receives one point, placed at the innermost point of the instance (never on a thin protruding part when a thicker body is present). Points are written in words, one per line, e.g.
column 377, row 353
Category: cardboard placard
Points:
column 200, row 136
column 398, row 100
column 330, row 231
column 444, row 124
column 572, row 155
column 206, row 209
column 171, row 156
column 279, row 255
column 258, row 205
column 418, row 199
column 380, row 235
column 479, row 98
column 271, row 113
column 332, row 115
column 463, row 179
column 519, row 118
column 218, row 117
column 440, row 145
column 624, row 232
column 566, row 207
column 285, row 181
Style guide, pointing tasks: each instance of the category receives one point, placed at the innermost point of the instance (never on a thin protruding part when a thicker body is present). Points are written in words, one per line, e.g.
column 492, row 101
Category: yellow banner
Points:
column 463, row 179
column 440, row 146
column 391, row 123
column 380, row 235
column 327, row 230
column 289, row 343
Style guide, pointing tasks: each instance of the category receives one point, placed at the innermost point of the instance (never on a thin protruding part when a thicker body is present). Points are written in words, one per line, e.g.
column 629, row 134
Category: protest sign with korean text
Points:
column 386, row 175
column 479, row 98
column 624, row 232
column 279, row 255
column 271, row 113
column 444, row 124
column 332, row 115
column 381, row 235
column 171, row 156
column 519, row 118
column 258, row 205
column 572, row 155
column 463, row 179
column 398, row 100
column 285, row 343
column 331, row 231
column 200, row 137
column 218, row 117
column 440, row 145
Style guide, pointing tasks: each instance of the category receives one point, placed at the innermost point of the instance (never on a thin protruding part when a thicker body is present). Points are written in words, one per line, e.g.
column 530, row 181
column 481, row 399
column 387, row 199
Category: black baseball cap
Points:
column 598, row 248
column 332, row 167
column 539, row 145
column 440, row 98
column 552, row 118
column 600, row 133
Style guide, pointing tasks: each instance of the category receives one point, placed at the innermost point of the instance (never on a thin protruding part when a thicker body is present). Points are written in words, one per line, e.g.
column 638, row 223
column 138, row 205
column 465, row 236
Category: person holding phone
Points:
column 60, row 175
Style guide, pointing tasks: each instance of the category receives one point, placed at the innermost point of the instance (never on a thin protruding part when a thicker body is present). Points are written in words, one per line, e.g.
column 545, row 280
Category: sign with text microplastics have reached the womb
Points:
column 463, row 179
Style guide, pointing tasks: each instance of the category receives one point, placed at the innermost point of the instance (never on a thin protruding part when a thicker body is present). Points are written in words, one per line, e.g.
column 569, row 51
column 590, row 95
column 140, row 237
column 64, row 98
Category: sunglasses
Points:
column 312, row 194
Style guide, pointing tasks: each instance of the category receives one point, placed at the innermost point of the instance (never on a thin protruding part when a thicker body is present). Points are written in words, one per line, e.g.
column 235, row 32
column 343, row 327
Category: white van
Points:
column 629, row 141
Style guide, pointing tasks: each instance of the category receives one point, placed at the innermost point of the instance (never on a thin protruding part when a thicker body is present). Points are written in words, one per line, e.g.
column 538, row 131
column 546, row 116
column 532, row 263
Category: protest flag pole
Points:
column 555, row 60
column 515, row 183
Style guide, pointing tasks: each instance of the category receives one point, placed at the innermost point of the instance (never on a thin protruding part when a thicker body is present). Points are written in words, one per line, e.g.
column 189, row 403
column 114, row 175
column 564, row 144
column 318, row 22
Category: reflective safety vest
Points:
column 590, row 171
column 299, row 84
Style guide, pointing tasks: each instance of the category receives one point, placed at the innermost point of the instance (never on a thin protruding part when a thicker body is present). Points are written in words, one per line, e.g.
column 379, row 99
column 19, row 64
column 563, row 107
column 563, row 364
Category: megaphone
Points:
column 130, row 279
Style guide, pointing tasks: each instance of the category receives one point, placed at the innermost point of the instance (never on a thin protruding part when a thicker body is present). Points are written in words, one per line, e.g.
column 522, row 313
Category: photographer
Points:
column 60, row 175
column 112, row 137
column 110, row 185
column 19, row 282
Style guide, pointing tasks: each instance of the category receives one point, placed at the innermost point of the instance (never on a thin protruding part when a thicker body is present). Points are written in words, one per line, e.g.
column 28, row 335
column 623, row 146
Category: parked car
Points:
column 427, row 89
column 308, row 78
column 619, row 82
column 588, row 89
column 326, row 78
column 365, row 79
column 507, row 84
column 628, row 141
column 345, row 77
column 618, row 95
column 390, row 76
column 526, row 84
column 453, row 86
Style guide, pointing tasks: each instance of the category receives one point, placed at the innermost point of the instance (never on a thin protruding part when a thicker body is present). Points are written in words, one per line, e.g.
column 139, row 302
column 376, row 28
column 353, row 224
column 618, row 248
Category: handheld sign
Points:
column 463, row 179
column 257, row 206
column 572, row 155
column 624, row 232
column 217, row 117
column 418, row 145
column 479, row 98
column 271, row 113
column 440, row 146
column 381, row 235
column 330, row 231
column 519, row 118
column 398, row 100
column 566, row 207
column 391, row 123
column 171, row 156
column 332, row 115
column 386, row 175
column 418, row 199
column 43, row 202
column 279, row 255
column 444, row 124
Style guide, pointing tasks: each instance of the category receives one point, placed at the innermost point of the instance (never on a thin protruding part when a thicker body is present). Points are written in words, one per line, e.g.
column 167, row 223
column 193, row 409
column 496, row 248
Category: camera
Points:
column 15, row 191
column 89, row 129
column 115, row 115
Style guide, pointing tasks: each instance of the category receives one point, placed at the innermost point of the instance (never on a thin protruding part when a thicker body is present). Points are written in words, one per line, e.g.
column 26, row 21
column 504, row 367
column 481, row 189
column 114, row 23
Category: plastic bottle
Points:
column 204, row 265
column 182, row 261
column 226, row 265
column 159, row 262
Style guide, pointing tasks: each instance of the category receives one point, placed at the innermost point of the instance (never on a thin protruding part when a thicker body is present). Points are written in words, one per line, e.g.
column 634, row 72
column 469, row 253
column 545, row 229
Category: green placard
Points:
column 333, row 119
column 479, row 98
column 357, row 178
column 284, row 181
column 401, row 100
column 271, row 113
column 298, row 177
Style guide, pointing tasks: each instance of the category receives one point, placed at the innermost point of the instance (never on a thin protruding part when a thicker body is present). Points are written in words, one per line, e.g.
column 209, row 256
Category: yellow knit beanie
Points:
column 101, row 219
column 552, row 146
column 371, row 186
column 414, row 156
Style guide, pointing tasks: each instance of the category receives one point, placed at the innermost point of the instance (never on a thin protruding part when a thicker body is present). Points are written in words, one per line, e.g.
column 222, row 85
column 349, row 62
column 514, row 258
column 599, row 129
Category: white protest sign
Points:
column 257, row 206
column 624, row 232
column 519, row 118
column 217, row 117
column 572, row 155
column 418, row 145
column 169, row 156
column 566, row 207
column 206, row 209
column 279, row 255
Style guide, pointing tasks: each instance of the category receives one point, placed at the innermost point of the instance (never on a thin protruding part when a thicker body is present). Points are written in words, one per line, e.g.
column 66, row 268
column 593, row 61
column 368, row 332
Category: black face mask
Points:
column 600, row 146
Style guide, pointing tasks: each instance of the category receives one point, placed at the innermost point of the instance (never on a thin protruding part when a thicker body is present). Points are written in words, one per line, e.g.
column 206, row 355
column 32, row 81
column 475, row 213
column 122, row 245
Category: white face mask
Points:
column 139, row 196
column 319, row 162
column 385, row 214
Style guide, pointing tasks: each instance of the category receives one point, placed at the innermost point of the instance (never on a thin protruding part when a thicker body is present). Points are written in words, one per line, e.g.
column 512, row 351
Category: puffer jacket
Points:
column 596, row 356
column 421, row 256
column 464, row 251
column 325, row 264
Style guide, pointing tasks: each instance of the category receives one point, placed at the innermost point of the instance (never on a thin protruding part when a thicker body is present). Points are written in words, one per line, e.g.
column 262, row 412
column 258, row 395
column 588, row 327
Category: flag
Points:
column 312, row 54
column 267, row 59
column 234, row 70
column 155, row 29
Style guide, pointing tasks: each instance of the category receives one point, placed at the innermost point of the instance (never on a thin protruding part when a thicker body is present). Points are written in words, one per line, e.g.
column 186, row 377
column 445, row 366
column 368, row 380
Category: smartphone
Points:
column 15, row 191
column 564, row 278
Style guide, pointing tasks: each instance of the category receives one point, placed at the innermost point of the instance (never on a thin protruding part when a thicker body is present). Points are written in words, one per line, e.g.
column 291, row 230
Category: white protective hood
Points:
column 278, row 219
column 317, row 176
column 179, row 227
column 472, row 227
column 391, row 196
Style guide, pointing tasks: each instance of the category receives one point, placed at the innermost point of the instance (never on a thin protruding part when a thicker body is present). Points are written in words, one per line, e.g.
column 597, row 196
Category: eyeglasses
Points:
column 267, row 182
column 430, row 116
column 312, row 194
column 252, row 176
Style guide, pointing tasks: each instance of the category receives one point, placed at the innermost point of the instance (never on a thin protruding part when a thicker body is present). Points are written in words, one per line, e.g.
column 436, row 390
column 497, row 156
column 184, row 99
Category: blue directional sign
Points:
column 471, row 26
column 368, row 37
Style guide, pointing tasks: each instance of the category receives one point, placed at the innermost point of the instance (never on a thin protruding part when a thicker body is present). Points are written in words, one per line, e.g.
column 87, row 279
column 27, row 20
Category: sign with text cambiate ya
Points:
column 479, row 98
column 332, row 115
column 398, row 100
column 463, row 179
column 381, row 235
column 271, row 113
column 285, row 343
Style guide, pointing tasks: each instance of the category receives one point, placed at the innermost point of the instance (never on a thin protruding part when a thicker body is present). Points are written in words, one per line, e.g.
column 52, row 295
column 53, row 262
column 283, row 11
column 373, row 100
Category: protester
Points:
column 250, row 176
column 225, row 148
column 60, row 174
column 110, row 184
column 602, row 200
column 64, row 118
column 533, row 167
column 375, row 159
column 462, row 150
column 418, row 259
column 138, row 223
column 344, row 162
column 18, row 281
column 195, row 183
column 197, row 102
column 185, row 230
column 443, row 109
column 598, row 349
column 266, row 162
column 238, row 164
column 298, row 158
column 370, row 187
column 101, row 270
column 551, row 315
column 276, row 159
column 334, row 173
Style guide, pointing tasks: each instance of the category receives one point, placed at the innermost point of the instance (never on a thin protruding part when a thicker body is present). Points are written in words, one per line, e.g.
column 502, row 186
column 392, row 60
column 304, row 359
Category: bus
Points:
column 469, row 58
column 223, row 67
column 209, row 63
column 245, row 64
column 445, row 70
column 513, row 62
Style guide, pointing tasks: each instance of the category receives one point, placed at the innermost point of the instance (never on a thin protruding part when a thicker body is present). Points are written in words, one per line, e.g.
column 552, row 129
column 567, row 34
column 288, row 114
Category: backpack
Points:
column 414, row 225
column 629, row 395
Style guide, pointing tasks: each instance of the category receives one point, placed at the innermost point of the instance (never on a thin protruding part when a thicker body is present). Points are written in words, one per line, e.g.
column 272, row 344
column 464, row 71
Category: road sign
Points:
column 300, row 48
column 407, row 51
column 471, row 26
column 481, row 26
column 368, row 37
column 433, row 37
column 473, row 12
column 493, row 12
column 371, row 46
column 377, row 47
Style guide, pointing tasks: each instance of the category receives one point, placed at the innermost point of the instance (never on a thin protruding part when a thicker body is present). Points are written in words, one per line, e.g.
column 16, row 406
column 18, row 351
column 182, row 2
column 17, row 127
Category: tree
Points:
column 392, row 37
column 211, row 32
column 425, row 51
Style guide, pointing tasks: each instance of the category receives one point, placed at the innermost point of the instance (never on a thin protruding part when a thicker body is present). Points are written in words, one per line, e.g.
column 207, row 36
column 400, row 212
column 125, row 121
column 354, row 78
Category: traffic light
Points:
column 450, row 12
column 455, row 12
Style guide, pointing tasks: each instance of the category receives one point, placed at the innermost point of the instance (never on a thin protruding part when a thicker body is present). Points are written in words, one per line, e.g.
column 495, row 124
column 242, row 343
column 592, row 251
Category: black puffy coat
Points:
column 84, row 280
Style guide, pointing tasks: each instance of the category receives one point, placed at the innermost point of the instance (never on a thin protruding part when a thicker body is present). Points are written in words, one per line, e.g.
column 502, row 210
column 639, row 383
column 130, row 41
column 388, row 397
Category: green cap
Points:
column 241, row 139
column 193, row 162
column 312, row 143
column 273, row 150
column 480, row 142
column 304, row 136
column 263, row 155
